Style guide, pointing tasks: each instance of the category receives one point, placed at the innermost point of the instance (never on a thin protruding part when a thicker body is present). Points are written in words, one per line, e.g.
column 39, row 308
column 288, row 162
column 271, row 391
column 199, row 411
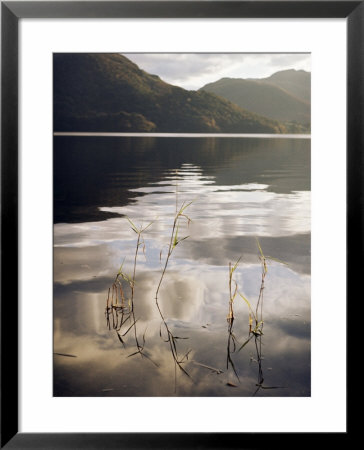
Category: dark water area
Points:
column 241, row 189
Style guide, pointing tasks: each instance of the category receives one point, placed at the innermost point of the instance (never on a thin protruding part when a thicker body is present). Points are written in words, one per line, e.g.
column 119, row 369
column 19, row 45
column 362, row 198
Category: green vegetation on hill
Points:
column 296, row 82
column 107, row 92
column 285, row 96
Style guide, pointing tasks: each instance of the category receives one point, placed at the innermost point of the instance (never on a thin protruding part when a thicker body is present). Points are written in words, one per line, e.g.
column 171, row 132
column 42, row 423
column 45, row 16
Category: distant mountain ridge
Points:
column 296, row 82
column 284, row 96
column 108, row 92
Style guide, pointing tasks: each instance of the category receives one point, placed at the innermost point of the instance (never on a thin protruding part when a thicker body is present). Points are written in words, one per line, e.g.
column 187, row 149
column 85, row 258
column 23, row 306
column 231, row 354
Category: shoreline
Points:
column 185, row 135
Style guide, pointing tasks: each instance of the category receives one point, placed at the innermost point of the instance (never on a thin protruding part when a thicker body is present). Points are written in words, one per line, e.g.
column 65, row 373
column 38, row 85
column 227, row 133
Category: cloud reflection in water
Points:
column 194, row 295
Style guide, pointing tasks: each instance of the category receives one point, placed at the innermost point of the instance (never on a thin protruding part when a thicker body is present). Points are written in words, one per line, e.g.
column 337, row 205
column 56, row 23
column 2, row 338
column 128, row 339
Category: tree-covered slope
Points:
column 107, row 92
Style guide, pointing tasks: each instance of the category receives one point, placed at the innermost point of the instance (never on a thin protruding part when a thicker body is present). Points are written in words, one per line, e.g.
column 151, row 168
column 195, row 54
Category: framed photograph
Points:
column 181, row 186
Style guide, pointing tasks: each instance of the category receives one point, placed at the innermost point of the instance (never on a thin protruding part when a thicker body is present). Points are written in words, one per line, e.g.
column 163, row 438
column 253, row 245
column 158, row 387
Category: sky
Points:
column 194, row 70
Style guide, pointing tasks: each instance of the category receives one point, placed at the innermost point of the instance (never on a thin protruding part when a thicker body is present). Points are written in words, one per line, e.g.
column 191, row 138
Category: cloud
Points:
column 193, row 70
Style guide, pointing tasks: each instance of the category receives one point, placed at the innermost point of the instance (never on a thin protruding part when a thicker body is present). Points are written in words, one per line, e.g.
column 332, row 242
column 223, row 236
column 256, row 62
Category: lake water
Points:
column 241, row 189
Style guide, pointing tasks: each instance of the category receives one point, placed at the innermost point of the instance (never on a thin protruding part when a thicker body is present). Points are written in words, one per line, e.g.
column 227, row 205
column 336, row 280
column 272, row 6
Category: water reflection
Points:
column 198, row 311
column 232, row 203
column 245, row 209
column 94, row 172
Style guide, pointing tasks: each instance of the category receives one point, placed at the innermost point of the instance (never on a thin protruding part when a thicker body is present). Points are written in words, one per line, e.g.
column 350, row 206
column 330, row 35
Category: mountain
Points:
column 284, row 96
column 108, row 92
column 296, row 82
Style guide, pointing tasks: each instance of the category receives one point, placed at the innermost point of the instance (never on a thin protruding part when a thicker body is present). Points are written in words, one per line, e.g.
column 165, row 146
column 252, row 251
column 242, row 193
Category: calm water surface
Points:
column 241, row 189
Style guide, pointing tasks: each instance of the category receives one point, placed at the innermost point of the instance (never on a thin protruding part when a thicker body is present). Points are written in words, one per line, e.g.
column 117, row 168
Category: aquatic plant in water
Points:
column 173, row 242
column 256, row 321
column 122, row 310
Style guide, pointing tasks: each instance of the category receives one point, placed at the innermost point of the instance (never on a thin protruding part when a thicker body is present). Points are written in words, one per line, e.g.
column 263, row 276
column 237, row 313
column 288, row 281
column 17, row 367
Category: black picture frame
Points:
column 11, row 12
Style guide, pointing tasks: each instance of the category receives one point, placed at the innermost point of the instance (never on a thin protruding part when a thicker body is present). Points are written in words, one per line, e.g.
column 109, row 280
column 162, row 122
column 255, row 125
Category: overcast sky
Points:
column 192, row 71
